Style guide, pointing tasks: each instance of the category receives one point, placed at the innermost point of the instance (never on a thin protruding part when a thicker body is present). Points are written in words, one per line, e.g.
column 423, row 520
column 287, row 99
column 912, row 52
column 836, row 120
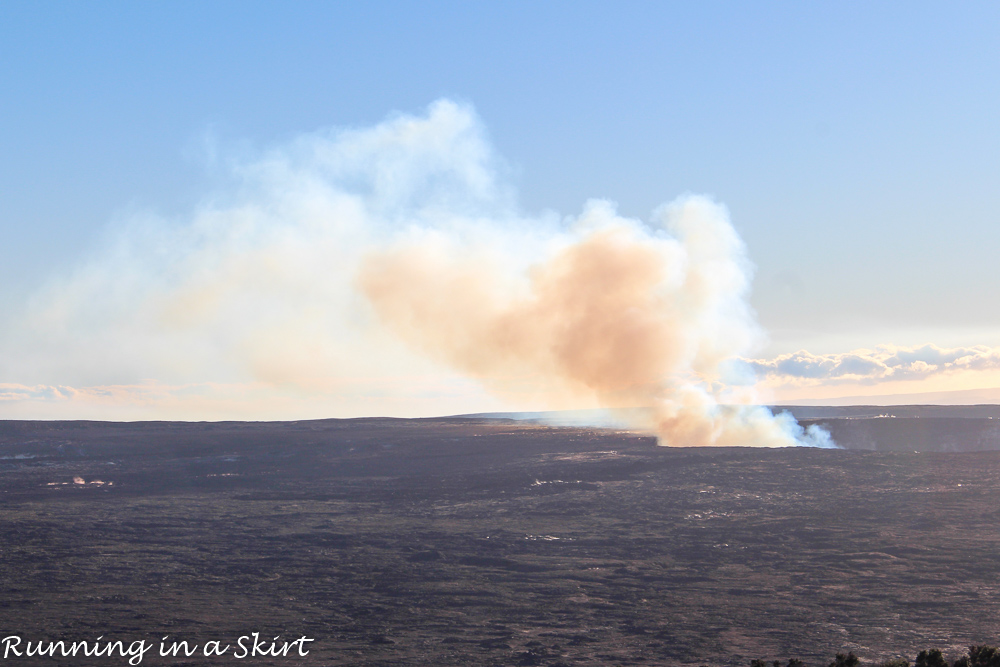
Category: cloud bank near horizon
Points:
column 883, row 364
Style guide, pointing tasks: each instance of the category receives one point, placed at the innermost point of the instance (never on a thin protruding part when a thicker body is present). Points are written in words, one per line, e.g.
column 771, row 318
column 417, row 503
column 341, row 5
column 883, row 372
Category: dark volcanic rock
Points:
column 492, row 542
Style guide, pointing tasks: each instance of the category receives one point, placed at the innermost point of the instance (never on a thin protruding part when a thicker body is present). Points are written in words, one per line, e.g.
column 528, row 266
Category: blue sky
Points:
column 854, row 144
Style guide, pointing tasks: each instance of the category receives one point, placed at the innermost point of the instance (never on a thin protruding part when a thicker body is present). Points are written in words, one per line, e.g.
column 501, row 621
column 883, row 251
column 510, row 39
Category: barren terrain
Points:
column 493, row 542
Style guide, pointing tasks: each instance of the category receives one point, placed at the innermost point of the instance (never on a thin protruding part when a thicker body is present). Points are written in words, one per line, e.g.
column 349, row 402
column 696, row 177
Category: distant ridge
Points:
column 801, row 412
column 595, row 417
column 906, row 428
column 620, row 418
column 958, row 397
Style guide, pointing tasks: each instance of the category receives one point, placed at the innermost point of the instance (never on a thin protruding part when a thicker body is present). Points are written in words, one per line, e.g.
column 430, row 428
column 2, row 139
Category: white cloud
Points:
column 884, row 363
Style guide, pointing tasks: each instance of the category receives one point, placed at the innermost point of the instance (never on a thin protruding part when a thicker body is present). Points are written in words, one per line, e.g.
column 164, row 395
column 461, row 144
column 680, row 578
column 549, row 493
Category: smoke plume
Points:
column 610, row 309
column 376, row 271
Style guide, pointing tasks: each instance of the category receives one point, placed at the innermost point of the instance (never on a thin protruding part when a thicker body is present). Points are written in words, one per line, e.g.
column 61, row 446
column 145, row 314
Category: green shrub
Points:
column 849, row 660
column 984, row 656
column 931, row 658
column 898, row 662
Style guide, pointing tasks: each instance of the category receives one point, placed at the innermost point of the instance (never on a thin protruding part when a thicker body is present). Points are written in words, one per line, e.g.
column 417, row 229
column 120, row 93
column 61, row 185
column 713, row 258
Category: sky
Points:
column 149, row 150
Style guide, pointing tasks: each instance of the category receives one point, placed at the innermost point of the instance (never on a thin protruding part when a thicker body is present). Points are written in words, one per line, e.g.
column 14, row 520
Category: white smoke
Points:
column 378, row 271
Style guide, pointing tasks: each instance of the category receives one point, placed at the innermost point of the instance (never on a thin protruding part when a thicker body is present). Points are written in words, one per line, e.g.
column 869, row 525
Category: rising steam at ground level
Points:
column 388, row 270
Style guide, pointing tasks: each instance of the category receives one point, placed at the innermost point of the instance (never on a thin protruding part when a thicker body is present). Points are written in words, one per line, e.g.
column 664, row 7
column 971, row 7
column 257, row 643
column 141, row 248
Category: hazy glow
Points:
column 347, row 263
column 248, row 308
column 388, row 271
